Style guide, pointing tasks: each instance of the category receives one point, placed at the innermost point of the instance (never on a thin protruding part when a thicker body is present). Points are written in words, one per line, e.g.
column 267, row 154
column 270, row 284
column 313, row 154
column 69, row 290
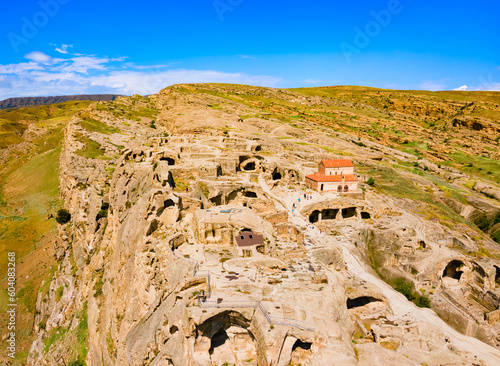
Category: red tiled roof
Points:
column 318, row 177
column 337, row 163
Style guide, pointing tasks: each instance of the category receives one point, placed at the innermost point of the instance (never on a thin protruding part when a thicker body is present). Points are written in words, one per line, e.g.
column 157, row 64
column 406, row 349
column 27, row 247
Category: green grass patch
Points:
column 92, row 149
column 93, row 125
column 477, row 165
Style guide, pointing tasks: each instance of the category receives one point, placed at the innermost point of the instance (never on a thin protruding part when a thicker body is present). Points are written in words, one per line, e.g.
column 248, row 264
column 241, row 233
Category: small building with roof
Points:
column 234, row 226
column 335, row 175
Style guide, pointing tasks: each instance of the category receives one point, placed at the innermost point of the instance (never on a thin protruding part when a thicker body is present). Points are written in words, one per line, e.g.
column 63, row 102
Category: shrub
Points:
column 405, row 287
column 423, row 302
column 371, row 181
column 101, row 214
column 63, row 216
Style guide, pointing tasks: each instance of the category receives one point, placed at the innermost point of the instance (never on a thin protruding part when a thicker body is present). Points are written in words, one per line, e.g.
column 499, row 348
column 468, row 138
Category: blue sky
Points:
column 56, row 47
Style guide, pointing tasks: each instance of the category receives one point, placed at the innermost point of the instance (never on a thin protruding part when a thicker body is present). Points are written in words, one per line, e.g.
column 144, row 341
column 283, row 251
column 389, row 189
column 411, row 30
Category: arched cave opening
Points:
column 217, row 200
column 249, row 166
column 314, row 217
column 497, row 276
column 170, row 161
column 452, row 270
column 277, row 176
column 232, row 196
column 329, row 214
column 166, row 204
column 246, row 229
column 152, row 227
column 348, row 212
column 365, row 215
column 258, row 148
column 218, row 340
column 250, row 194
column 301, row 345
column 361, row 301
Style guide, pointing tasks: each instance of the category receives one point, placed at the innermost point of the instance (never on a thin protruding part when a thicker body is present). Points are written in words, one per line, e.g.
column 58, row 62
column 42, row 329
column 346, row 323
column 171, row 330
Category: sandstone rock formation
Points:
column 151, row 273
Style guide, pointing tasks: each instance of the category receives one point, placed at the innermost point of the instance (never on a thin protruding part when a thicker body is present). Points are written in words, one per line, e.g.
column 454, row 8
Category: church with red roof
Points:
column 335, row 175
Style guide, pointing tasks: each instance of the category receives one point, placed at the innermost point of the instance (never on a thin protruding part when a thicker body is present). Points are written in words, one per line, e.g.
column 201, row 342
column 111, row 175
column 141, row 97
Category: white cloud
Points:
column 39, row 57
column 148, row 67
column 247, row 56
column 87, row 74
column 63, row 49
column 83, row 64
column 132, row 82
column 19, row 68
column 485, row 84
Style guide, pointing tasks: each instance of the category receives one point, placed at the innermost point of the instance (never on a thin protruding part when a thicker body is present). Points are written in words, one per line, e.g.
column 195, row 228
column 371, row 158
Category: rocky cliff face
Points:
column 150, row 272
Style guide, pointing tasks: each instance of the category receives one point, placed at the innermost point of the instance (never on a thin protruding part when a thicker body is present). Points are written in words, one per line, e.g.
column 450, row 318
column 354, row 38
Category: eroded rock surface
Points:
column 150, row 266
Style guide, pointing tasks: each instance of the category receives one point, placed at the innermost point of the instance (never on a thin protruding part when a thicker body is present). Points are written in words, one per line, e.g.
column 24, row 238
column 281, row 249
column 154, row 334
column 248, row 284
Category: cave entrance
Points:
column 306, row 346
column 218, row 340
column 170, row 161
column 249, row 166
column 329, row 214
column 365, row 215
column 361, row 301
column 250, row 194
column 217, row 200
column 166, row 204
column 452, row 270
column 348, row 212
column 152, row 227
column 314, row 217
column 497, row 276
column 277, row 176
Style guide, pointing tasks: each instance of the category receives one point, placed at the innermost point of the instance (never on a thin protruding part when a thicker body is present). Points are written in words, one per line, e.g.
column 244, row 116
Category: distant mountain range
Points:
column 35, row 101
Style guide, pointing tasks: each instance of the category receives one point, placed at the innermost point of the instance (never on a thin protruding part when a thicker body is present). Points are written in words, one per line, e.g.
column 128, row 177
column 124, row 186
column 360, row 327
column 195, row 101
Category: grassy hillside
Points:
column 29, row 180
column 458, row 129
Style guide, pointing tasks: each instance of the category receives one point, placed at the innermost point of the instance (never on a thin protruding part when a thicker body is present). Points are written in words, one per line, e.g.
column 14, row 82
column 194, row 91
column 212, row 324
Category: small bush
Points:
column 63, row 216
column 371, row 181
column 404, row 287
column 98, row 287
column 423, row 302
column 101, row 214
